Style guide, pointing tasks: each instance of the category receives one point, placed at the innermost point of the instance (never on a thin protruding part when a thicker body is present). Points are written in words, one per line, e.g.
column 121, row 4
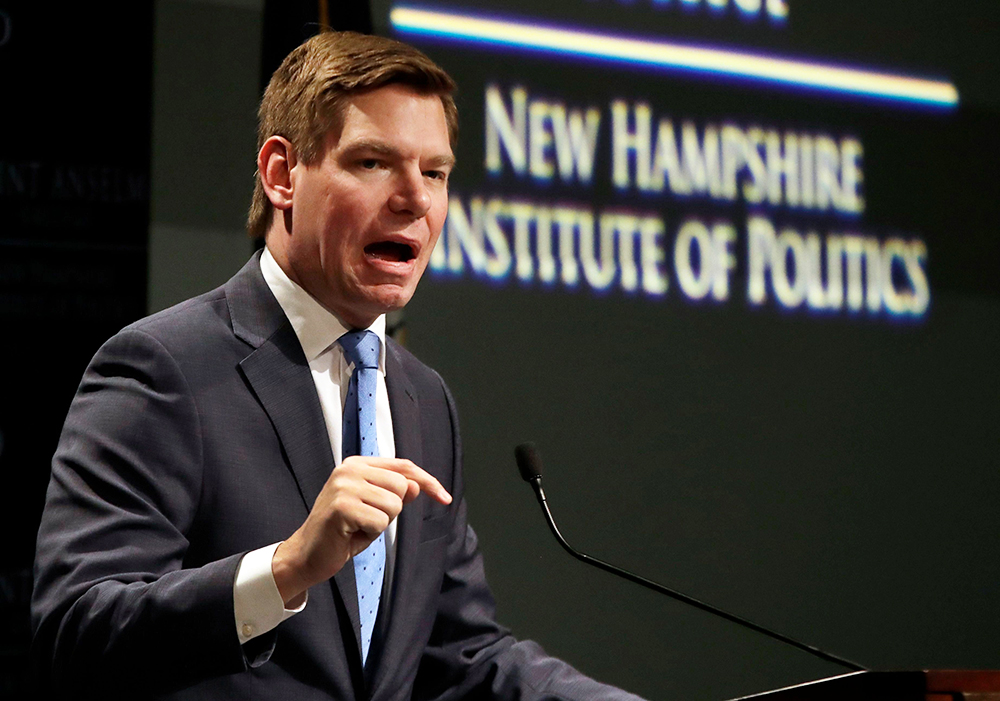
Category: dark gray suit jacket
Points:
column 196, row 436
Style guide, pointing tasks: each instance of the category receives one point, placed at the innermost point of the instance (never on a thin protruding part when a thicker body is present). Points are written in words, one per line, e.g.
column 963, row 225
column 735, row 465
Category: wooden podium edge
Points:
column 930, row 685
column 955, row 681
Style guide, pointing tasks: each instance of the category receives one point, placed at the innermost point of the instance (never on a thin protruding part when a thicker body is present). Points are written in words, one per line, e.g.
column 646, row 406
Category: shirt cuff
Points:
column 257, row 603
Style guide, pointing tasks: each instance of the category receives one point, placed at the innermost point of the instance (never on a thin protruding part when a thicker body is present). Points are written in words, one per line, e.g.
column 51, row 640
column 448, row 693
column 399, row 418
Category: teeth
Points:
column 390, row 251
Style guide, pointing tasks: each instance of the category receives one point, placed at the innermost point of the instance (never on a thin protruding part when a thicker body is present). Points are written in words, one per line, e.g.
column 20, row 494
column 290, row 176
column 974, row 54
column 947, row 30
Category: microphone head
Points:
column 529, row 463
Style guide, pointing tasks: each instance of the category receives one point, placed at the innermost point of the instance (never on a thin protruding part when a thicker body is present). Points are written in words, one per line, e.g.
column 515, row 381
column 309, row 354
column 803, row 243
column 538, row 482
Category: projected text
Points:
column 573, row 246
column 785, row 231
column 547, row 140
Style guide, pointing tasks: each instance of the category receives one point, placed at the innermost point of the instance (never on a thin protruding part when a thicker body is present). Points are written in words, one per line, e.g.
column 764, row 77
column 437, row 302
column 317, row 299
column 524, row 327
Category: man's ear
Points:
column 274, row 163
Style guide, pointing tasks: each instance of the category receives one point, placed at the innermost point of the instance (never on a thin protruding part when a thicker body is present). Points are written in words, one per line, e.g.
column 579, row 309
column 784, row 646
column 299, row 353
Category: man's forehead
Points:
column 381, row 118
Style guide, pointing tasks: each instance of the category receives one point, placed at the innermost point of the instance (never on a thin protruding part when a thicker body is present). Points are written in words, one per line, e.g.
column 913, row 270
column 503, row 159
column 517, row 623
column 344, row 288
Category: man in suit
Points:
column 214, row 520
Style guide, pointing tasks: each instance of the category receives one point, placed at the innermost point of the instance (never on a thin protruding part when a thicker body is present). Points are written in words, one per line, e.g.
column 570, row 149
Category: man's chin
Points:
column 376, row 301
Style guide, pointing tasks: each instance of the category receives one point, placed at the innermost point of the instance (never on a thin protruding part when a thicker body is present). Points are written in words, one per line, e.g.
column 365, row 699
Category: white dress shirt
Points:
column 258, row 605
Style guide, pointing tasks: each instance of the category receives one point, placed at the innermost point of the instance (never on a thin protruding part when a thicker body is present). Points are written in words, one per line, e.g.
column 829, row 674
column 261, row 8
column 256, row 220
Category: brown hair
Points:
column 306, row 95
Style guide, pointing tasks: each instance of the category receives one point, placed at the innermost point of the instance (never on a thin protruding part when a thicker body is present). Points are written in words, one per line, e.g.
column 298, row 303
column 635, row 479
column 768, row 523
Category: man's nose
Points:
column 411, row 195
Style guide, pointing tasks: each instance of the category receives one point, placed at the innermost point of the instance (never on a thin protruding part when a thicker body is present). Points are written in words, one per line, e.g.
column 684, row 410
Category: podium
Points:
column 928, row 685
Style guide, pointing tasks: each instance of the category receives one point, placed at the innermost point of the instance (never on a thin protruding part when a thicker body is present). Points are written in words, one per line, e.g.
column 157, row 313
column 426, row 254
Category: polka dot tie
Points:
column 360, row 438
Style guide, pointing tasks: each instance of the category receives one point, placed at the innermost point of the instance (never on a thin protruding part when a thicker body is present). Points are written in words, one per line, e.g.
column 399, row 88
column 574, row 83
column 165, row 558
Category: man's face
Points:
column 365, row 219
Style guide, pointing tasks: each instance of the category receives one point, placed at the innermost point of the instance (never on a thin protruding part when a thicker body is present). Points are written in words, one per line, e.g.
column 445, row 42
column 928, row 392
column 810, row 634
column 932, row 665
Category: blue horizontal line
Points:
column 675, row 56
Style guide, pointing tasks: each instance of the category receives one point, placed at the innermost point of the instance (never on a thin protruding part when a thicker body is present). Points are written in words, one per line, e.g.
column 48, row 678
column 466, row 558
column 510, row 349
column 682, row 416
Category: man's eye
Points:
column 436, row 174
column 369, row 164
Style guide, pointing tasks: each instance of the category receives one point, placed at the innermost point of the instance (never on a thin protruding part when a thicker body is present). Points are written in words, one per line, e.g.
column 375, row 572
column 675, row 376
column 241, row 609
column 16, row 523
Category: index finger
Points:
column 424, row 480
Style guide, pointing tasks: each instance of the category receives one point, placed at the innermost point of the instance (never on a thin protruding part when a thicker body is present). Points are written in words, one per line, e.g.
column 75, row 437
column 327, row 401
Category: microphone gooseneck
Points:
column 530, row 466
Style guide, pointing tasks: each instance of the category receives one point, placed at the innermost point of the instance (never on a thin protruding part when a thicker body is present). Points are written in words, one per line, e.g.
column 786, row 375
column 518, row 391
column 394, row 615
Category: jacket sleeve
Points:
column 469, row 655
column 115, row 608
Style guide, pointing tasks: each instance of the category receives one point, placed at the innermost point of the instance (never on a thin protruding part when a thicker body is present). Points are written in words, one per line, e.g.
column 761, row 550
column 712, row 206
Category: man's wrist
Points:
column 287, row 577
column 257, row 602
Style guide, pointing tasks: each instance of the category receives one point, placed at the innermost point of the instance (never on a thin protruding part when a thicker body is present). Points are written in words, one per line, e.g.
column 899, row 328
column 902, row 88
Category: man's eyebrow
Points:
column 380, row 148
column 441, row 161
column 371, row 146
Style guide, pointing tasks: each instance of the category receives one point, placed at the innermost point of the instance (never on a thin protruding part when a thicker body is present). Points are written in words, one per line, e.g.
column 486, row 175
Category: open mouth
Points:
column 390, row 251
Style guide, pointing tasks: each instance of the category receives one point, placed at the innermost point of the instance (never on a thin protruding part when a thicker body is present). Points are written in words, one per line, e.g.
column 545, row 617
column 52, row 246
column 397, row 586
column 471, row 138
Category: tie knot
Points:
column 361, row 348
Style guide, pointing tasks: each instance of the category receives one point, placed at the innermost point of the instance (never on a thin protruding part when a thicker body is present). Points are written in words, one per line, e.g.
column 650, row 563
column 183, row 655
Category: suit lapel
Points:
column 406, row 435
column 279, row 375
column 403, row 406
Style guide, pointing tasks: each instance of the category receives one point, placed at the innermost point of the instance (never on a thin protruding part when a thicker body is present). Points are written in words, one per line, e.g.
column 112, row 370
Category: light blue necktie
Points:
column 360, row 438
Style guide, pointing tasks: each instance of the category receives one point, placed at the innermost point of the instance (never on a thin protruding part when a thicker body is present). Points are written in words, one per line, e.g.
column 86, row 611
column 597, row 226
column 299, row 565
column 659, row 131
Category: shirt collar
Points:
column 316, row 327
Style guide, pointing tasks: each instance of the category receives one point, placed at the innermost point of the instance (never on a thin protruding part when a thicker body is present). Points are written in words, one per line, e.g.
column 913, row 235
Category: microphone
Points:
column 529, row 464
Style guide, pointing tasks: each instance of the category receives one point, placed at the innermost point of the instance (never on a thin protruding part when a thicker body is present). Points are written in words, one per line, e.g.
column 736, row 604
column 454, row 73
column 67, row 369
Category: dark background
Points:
column 833, row 477
column 74, row 215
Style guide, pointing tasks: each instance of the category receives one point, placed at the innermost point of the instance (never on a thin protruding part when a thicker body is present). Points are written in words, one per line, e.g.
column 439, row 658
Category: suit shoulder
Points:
column 196, row 328
column 193, row 321
column 197, row 310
